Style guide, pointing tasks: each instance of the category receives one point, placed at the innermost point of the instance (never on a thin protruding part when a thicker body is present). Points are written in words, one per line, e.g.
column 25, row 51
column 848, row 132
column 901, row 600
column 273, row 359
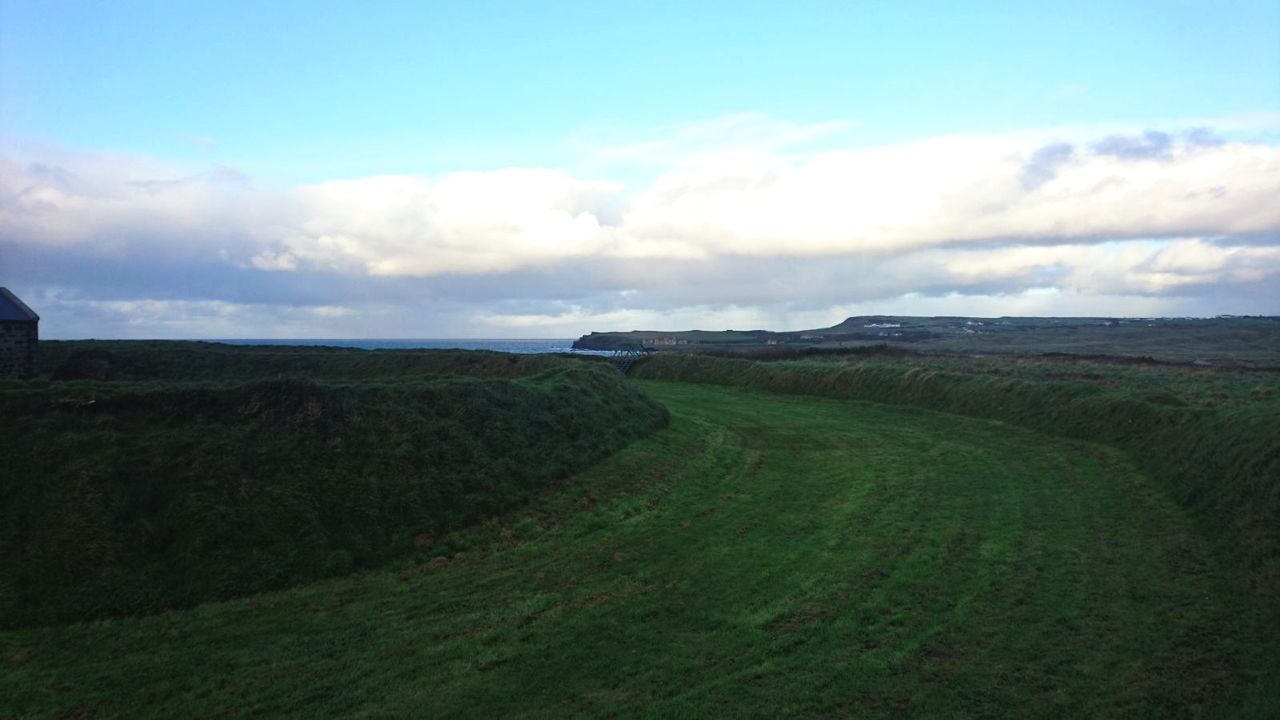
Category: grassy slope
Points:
column 766, row 555
column 1218, row 341
column 1211, row 439
column 134, row 495
column 184, row 361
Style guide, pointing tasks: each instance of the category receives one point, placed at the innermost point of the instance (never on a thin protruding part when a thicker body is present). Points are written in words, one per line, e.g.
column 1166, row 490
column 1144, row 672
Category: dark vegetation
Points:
column 1222, row 341
column 766, row 555
column 150, row 360
column 1031, row 537
column 156, row 475
column 1212, row 438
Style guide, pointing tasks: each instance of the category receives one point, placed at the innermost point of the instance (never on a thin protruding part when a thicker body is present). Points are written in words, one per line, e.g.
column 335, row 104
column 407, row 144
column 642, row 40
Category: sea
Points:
column 508, row 345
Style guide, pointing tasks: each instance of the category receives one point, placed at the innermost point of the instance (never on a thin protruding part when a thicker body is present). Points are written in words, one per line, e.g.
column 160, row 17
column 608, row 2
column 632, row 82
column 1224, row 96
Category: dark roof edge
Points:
column 4, row 293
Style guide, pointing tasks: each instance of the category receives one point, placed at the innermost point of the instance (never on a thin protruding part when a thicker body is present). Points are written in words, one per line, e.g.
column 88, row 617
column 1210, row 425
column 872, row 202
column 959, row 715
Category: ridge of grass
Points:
column 134, row 496
column 1220, row 461
column 188, row 361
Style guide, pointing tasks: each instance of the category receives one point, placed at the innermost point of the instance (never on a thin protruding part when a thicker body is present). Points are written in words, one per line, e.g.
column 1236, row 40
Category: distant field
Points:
column 766, row 555
column 1226, row 341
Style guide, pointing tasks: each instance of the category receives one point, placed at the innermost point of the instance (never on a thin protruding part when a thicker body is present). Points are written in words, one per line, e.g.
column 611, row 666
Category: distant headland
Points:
column 1223, row 340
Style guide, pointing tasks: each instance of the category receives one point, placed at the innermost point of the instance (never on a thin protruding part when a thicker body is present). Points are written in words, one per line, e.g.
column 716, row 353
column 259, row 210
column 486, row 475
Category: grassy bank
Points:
column 151, row 360
column 1211, row 438
column 149, row 491
column 764, row 556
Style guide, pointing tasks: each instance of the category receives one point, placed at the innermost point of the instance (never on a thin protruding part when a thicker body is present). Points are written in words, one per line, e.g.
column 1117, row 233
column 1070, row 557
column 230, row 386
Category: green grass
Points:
column 1177, row 385
column 766, row 555
column 137, row 495
column 1211, row 439
column 190, row 361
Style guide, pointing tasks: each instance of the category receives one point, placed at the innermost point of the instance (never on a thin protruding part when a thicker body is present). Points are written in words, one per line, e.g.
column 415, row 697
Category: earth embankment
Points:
column 155, row 490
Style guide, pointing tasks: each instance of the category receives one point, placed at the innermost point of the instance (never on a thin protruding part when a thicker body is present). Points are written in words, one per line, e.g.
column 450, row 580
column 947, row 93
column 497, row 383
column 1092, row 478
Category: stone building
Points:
column 19, row 332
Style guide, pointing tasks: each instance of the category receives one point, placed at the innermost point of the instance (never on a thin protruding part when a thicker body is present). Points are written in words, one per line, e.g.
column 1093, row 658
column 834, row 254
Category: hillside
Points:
column 1225, row 341
column 200, row 472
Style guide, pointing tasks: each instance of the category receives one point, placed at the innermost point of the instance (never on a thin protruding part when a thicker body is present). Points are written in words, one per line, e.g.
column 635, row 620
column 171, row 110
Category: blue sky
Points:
column 258, row 119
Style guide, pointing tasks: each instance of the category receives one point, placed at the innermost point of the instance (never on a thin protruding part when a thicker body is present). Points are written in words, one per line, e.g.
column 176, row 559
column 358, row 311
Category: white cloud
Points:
column 109, row 201
column 744, row 221
column 64, row 314
column 571, row 319
column 464, row 222
column 274, row 260
column 957, row 190
column 332, row 311
column 1140, row 266
column 1035, row 301
column 944, row 191
column 934, row 192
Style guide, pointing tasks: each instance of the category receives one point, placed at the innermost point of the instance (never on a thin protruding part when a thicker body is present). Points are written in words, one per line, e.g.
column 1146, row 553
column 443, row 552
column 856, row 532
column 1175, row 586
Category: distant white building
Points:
column 666, row 341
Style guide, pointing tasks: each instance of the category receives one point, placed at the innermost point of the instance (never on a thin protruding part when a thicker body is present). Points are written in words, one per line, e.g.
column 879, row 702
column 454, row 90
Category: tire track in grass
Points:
column 764, row 556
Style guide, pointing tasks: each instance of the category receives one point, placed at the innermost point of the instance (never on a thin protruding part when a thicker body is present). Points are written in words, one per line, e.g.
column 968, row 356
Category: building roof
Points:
column 11, row 308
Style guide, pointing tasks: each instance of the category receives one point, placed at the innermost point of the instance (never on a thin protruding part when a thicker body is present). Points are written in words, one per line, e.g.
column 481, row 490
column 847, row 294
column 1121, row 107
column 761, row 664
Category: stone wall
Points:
column 18, row 349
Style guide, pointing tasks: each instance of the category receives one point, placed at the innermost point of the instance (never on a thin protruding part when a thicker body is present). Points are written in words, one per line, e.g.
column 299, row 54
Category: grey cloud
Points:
column 56, row 176
column 30, row 179
column 798, row 284
column 1216, row 192
column 444, row 305
column 393, row 306
column 219, row 175
column 1203, row 137
column 1043, row 164
column 127, row 276
column 1150, row 145
column 1261, row 297
column 1247, row 239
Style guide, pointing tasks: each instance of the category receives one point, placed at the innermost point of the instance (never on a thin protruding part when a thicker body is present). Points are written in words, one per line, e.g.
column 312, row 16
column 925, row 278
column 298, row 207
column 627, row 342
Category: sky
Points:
column 516, row 169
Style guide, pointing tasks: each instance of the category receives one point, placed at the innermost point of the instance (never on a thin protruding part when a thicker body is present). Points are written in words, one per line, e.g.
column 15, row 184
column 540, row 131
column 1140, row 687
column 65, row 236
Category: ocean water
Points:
column 556, row 345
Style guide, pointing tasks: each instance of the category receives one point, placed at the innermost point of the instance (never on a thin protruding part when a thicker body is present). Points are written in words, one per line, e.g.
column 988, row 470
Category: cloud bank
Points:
column 736, row 223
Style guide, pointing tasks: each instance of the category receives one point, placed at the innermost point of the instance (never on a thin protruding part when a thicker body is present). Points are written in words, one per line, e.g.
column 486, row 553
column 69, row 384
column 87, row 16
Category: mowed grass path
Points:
column 764, row 556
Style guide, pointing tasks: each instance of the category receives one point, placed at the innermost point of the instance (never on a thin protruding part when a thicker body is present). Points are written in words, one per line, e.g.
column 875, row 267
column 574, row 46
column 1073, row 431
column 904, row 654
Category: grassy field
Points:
column 201, row 472
column 766, row 555
column 1211, row 438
